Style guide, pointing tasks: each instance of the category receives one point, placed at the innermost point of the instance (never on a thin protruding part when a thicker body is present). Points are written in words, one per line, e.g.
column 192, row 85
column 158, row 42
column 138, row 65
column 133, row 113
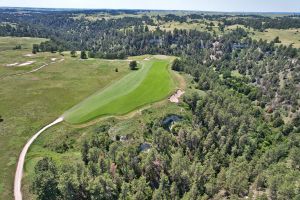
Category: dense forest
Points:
column 242, row 139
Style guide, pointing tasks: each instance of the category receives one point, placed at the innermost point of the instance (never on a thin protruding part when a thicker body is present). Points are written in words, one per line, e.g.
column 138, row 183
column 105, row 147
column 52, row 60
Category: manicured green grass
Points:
column 151, row 83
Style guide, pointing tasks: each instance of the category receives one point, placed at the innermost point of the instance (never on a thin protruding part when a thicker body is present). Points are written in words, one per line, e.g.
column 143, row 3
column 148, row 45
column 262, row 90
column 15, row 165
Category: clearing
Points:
column 287, row 37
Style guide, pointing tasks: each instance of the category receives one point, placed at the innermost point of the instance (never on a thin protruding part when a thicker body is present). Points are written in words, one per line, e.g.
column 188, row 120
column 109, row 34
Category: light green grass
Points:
column 151, row 83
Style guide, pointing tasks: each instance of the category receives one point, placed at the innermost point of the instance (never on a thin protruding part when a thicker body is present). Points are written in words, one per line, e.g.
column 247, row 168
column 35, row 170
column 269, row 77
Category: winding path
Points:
column 20, row 165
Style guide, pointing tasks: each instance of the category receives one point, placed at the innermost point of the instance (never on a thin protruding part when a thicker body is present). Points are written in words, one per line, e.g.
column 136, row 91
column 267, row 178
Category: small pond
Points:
column 169, row 120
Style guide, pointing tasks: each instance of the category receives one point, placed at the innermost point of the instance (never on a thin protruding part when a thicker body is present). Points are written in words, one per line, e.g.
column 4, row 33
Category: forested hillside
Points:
column 241, row 136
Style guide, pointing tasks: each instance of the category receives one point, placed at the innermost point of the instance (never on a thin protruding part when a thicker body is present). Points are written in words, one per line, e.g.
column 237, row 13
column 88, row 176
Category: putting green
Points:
column 151, row 83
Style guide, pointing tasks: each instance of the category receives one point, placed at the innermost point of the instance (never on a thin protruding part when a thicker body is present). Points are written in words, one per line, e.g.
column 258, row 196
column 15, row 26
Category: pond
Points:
column 169, row 120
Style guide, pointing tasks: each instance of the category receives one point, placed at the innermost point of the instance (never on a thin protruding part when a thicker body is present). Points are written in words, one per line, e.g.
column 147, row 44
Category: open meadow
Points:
column 287, row 37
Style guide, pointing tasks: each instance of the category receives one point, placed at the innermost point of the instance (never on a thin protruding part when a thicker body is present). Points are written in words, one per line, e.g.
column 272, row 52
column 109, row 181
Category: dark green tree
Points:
column 276, row 40
column 85, row 151
column 133, row 65
column 73, row 53
column 45, row 182
column 83, row 55
column 103, row 187
column 140, row 189
column 176, row 66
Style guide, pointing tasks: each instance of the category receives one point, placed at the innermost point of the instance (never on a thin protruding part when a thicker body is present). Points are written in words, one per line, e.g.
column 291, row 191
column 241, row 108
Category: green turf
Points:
column 151, row 83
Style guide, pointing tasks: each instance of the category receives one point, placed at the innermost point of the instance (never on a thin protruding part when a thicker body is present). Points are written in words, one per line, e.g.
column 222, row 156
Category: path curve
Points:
column 20, row 165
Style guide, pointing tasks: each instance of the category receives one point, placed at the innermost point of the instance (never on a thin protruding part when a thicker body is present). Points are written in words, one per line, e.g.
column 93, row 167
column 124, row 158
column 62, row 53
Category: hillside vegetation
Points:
column 234, row 134
column 29, row 101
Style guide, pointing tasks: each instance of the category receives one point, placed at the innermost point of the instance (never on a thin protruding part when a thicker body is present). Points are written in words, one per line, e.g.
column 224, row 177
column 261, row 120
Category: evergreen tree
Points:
column 83, row 55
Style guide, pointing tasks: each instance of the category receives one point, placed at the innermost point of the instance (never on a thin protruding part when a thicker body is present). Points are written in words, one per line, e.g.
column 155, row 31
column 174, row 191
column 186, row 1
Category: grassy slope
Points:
column 287, row 37
column 149, row 84
column 108, row 94
column 8, row 43
column 199, row 25
column 30, row 101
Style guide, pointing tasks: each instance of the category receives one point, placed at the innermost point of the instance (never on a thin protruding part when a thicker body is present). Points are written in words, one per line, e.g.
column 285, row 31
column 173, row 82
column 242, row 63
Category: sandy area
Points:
column 26, row 63
column 28, row 55
column 175, row 97
column 11, row 65
column 160, row 56
column 53, row 59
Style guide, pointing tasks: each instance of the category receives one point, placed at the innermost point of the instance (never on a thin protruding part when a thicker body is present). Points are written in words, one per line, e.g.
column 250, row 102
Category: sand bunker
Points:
column 11, row 65
column 175, row 97
column 53, row 59
column 28, row 55
column 160, row 56
column 26, row 63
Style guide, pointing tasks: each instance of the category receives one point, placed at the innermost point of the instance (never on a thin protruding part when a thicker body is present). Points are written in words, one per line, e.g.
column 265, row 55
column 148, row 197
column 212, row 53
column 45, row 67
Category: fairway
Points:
column 151, row 83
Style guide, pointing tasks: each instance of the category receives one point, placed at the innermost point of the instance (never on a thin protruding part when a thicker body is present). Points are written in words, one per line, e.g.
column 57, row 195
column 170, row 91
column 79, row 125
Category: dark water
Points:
column 169, row 120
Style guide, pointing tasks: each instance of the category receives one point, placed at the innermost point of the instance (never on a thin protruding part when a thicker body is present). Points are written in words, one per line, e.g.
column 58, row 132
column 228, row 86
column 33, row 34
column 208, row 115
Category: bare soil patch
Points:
column 26, row 63
column 11, row 65
column 175, row 97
